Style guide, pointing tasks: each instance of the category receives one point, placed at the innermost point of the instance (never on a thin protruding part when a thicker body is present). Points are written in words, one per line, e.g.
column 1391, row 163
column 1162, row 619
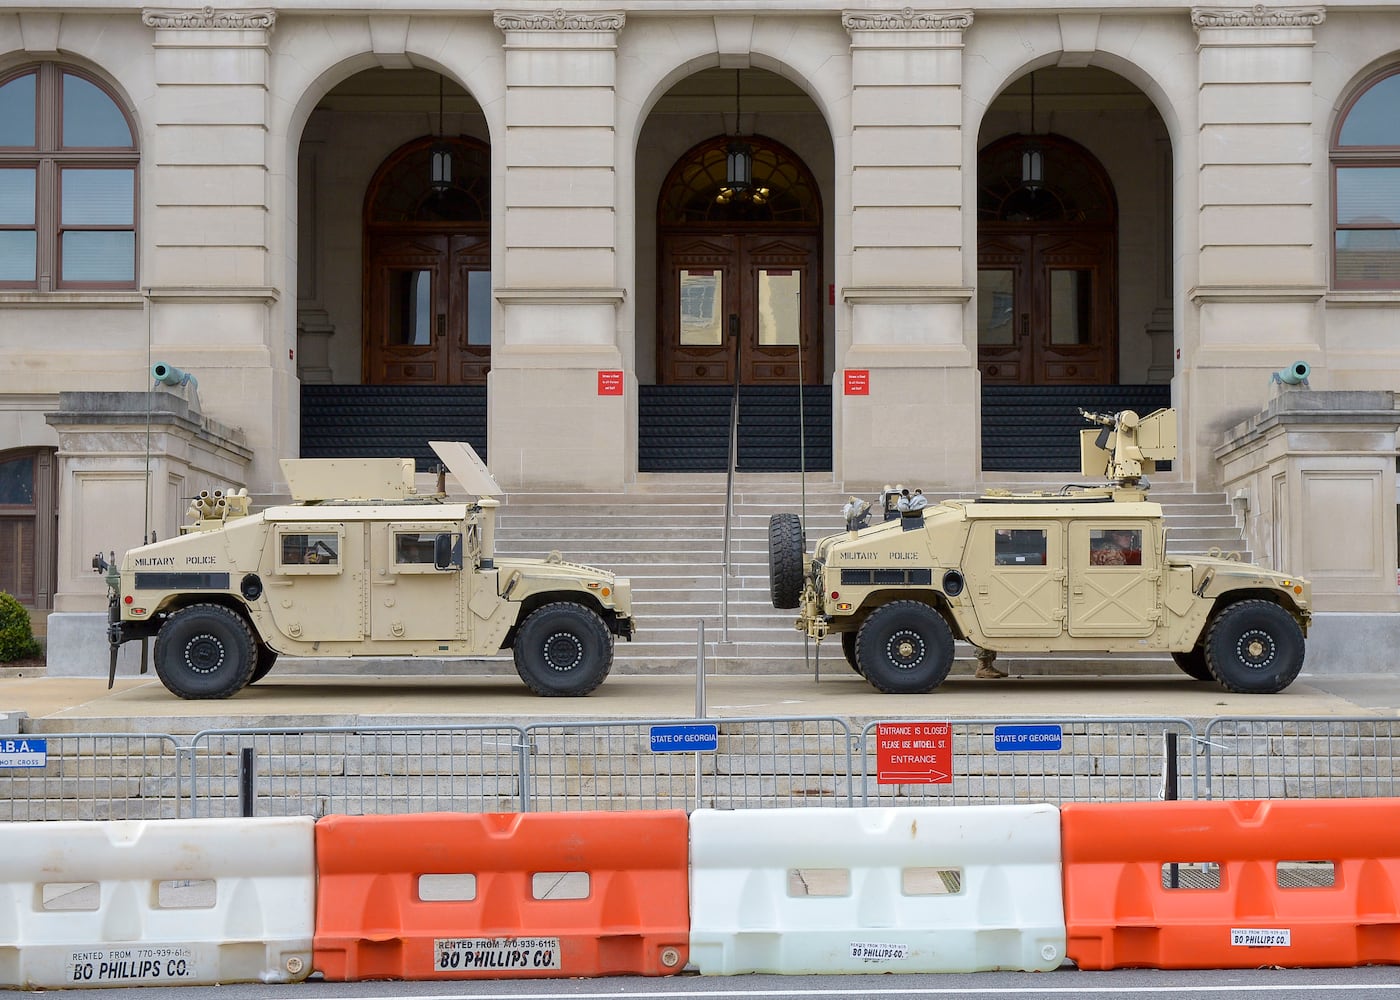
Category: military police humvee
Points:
column 1083, row 569
column 361, row 565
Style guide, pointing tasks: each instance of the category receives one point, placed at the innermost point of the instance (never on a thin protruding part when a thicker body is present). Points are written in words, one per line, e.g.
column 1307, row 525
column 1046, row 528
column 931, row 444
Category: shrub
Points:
column 16, row 634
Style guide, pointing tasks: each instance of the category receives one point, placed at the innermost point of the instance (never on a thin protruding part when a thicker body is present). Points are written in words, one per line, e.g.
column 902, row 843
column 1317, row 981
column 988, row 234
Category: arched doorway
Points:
column 1046, row 265
column 427, row 265
column 739, row 270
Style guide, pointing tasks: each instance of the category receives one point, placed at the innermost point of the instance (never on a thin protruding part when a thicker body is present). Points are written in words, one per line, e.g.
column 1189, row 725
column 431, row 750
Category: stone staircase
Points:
column 666, row 533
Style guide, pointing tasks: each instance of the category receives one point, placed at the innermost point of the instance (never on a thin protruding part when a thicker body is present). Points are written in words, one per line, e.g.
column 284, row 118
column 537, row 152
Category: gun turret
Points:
column 1127, row 446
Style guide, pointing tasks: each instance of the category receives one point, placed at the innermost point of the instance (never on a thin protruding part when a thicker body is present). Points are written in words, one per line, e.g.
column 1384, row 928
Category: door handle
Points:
column 441, row 325
column 1025, row 324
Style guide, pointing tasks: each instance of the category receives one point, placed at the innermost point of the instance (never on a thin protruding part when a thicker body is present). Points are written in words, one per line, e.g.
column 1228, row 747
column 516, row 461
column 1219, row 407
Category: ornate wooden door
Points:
column 740, row 304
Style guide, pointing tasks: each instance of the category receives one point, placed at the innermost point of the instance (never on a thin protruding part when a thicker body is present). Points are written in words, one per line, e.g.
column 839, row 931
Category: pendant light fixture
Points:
column 440, row 155
column 738, row 171
column 1032, row 156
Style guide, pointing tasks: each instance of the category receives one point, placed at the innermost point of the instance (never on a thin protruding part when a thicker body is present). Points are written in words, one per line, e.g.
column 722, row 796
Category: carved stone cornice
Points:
column 908, row 19
column 1258, row 16
column 208, row 17
column 560, row 20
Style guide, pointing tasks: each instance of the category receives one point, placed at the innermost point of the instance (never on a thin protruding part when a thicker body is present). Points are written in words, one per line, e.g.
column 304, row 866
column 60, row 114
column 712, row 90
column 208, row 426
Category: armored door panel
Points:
column 409, row 597
column 1115, row 580
column 1017, row 577
column 315, row 579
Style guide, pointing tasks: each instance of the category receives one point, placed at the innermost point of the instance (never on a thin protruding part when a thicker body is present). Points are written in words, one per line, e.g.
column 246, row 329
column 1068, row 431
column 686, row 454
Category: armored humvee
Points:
column 360, row 564
column 1082, row 569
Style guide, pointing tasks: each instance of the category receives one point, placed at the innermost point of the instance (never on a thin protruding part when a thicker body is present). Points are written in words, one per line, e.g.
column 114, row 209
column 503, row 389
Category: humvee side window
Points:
column 308, row 551
column 1115, row 546
column 414, row 548
column 1021, row 547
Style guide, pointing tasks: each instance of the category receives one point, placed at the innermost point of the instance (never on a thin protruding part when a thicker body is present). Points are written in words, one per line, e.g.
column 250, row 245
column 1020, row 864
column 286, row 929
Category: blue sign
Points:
column 1027, row 738
column 23, row 751
column 685, row 739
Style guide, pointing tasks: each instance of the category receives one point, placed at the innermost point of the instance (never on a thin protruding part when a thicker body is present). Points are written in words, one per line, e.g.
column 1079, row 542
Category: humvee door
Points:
column 410, row 596
column 314, row 574
column 1016, row 570
column 1115, row 578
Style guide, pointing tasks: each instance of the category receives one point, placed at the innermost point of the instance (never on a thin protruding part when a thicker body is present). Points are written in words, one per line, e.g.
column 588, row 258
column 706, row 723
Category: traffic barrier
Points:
column 1224, row 885
column 925, row 889
column 493, row 895
column 159, row 902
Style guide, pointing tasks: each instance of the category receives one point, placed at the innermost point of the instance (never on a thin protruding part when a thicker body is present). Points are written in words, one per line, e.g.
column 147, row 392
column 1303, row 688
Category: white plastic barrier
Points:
column 141, row 903
column 929, row 889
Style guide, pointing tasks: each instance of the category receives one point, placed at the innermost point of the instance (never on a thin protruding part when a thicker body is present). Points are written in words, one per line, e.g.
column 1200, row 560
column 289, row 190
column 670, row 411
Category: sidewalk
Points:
column 65, row 704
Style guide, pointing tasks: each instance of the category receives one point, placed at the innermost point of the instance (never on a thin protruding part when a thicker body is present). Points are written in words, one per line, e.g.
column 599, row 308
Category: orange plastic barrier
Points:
column 1220, row 885
column 497, row 895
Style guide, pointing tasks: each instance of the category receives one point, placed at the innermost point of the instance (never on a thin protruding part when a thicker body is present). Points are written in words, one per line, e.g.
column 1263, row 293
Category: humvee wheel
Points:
column 905, row 648
column 205, row 651
column 785, row 547
column 1254, row 647
column 1193, row 664
column 267, row 656
column 563, row 650
column 848, row 647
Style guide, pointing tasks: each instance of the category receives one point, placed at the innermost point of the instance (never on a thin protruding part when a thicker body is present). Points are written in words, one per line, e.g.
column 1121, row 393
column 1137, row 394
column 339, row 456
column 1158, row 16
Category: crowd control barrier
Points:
column 1222, row 885
column 924, row 889
column 163, row 902
column 501, row 895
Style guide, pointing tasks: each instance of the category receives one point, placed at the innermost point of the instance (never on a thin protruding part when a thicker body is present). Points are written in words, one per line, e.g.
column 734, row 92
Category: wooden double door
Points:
column 427, row 308
column 1046, row 308
column 740, row 307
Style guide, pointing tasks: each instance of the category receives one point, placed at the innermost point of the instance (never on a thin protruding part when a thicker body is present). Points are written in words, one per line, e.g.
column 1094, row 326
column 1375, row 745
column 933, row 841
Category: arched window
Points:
column 1366, row 187
column 67, row 182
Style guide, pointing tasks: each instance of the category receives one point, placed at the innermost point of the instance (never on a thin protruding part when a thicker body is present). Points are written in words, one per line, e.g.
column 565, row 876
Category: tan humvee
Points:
column 360, row 564
column 1084, row 569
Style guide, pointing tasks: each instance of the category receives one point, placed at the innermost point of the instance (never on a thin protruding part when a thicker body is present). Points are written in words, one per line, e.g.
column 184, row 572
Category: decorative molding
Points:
column 907, row 19
column 1258, row 16
column 208, row 17
column 560, row 20
column 559, row 296
column 1257, row 293
column 905, row 294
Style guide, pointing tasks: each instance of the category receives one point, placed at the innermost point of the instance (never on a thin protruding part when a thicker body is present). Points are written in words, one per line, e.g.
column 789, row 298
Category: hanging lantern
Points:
column 738, row 171
column 1032, row 167
column 441, row 159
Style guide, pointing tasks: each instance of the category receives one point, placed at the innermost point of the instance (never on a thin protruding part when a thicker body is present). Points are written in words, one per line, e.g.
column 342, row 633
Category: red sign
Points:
column 610, row 383
column 857, row 381
column 914, row 753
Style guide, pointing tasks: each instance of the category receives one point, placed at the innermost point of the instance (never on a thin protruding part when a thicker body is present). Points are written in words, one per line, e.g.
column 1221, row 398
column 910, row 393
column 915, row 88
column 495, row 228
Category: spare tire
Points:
column 785, row 549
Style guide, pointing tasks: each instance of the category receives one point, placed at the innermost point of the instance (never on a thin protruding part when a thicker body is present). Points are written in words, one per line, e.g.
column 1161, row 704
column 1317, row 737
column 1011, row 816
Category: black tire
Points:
column 1254, row 647
column 563, row 650
column 1193, row 664
column 848, row 647
column 267, row 656
column 905, row 648
column 205, row 651
column 785, row 549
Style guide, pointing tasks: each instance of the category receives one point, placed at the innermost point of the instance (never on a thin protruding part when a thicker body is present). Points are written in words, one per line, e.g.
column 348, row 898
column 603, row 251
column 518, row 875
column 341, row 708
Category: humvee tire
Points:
column 785, row 545
column 1254, row 647
column 1193, row 664
column 563, row 650
column 848, row 647
column 266, row 658
column 205, row 651
column 905, row 648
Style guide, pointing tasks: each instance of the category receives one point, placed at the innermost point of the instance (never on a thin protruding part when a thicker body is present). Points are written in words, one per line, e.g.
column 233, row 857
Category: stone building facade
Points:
column 535, row 199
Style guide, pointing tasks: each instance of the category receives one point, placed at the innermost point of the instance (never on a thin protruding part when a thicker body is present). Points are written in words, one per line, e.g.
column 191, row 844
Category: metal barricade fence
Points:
column 99, row 776
column 1301, row 758
column 768, row 763
column 1072, row 760
column 371, row 770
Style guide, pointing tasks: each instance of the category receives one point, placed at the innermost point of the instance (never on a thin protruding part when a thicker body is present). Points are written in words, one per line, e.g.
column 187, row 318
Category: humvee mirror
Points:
column 447, row 551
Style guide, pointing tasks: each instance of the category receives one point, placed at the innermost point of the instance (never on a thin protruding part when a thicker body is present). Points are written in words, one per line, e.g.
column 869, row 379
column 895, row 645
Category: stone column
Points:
column 554, row 420
column 1259, row 284
column 209, row 272
column 906, row 291
column 129, row 462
